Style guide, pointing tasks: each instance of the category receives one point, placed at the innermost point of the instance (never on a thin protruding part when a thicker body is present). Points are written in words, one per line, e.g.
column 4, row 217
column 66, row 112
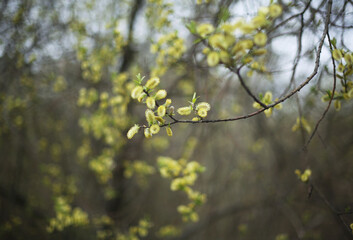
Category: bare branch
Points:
column 333, row 94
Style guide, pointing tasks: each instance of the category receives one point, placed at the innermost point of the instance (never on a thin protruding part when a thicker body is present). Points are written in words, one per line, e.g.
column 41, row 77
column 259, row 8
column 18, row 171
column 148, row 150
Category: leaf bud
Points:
column 260, row 39
column 141, row 97
column 149, row 116
column 152, row 83
column 159, row 119
column 169, row 131
column 168, row 102
column 154, row 129
column 275, row 10
column 136, row 91
column 150, row 102
column 204, row 105
column 213, row 59
column 171, row 110
column 184, row 110
column 132, row 131
column 202, row 112
column 337, row 54
column 161, row 111
column 147, row 133
column 204, row 29
column 161, row 94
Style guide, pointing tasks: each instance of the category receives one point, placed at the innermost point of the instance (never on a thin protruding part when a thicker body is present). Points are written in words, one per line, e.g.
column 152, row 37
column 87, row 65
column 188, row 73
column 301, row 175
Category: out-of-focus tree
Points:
column 176, row 119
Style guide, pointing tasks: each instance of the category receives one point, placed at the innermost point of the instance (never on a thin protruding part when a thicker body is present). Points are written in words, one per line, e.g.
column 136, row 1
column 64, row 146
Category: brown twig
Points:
column 329, row 104
column 333, row 209
column 237, row 72
column 299, row 50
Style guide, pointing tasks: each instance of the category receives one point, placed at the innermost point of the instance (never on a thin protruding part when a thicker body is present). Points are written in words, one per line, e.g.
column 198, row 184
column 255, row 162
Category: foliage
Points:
column 88, row 86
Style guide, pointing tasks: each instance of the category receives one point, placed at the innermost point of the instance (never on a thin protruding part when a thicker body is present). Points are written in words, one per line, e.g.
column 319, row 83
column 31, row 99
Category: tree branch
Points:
column 333, row 94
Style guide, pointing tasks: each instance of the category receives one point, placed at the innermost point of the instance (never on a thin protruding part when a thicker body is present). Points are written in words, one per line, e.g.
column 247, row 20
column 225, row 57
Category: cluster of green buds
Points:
column 267, row 99
column 168, row 45
column 200, row 109
column 301, row 123
column 87, row 97
column 183, row 175
column 168, row 49
column 158, row 14
column 140, row 169
column 168, row 231
column 223, row 46
column 345, row 71
column 155, row 112
column 304, row 177
column 137, row 232
column 66, row 216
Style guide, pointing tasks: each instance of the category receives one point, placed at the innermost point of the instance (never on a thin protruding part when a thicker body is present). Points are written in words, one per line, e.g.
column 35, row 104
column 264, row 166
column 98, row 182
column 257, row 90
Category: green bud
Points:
column 147, row 133
column 337, row 105
column 184, row 110
column 161, row 111
column 337, row 54
column 267, row 98
column 202, row 112
column 133, row 130
column 154, row 129
column 348, row 58
column 152, row 83
column 169, row 131
column 213, row 59
column 149, row 116
column 150, row 102
column 204, row 105
column 159, row 119
column 224, row 57
column 171, row 110
column 141, row 97
column 135, row 93
column 161, row 94
column 168, row 102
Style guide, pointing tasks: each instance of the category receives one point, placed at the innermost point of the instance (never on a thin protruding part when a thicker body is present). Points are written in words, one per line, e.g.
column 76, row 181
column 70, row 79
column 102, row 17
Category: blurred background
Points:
column 67, row 169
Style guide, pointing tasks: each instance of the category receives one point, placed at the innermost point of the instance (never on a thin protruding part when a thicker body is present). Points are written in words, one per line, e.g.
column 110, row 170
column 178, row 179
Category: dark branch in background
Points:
column 296, row 62
column 128, row 54
column 333, row 94
column 14, row 197
column 317, row 60
column 338, row 215
column 293, row 218
column 290, row 18
column 341, row 13
column 299, row 51
column 115, row 204
column 343, row 22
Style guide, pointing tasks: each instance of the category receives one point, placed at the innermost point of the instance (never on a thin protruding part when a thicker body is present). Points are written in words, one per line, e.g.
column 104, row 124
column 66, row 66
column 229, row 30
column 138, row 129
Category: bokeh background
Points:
column 67, row 169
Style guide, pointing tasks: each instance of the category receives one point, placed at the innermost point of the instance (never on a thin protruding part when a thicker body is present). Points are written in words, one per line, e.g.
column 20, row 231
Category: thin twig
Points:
column 333, row 209
column 299, row 51
column 248, row 90
column 317, row 60
column 291, row 17
column 333, row 94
